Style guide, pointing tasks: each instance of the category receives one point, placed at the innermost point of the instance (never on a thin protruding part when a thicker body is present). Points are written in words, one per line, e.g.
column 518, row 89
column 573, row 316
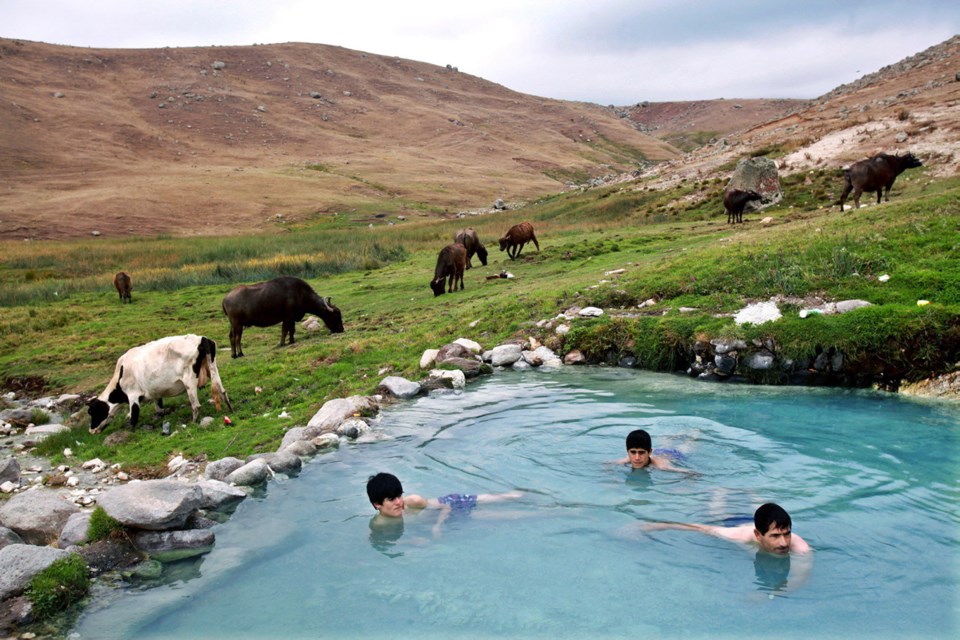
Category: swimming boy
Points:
column 640, row 454
column 386, row 495
column 771, row 531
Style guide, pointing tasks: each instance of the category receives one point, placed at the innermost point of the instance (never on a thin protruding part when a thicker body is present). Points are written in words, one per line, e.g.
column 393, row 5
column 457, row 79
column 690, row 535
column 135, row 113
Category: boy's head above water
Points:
column 386, row 494
column 639, row 448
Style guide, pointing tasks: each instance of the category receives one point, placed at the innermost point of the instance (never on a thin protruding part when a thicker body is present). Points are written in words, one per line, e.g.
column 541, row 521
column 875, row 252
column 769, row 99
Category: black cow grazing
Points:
column 285, row 299
column 469, row 239
column 875, row 174
column 124, row 286
column 735, row 200
column 451, row 263
column 517, row 236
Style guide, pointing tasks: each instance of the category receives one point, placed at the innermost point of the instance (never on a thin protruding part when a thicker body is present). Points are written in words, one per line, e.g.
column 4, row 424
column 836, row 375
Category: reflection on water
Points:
column 570, row 561
column 771, row 571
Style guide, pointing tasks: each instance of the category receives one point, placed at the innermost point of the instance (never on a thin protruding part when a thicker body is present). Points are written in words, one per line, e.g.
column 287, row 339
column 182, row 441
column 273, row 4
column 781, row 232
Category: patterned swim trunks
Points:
column 671, row 453
column 459, row 501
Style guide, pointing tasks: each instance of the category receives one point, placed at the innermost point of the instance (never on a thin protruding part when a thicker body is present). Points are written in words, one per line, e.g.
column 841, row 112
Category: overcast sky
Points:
column 605, row 51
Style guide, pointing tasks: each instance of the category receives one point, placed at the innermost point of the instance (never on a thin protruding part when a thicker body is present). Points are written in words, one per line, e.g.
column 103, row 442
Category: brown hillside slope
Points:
column 690, row 124
column 155, row 141
column 913, row 105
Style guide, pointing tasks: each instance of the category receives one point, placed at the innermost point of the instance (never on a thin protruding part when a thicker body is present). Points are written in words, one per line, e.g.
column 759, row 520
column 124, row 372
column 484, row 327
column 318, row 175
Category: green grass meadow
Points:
column 61, row 321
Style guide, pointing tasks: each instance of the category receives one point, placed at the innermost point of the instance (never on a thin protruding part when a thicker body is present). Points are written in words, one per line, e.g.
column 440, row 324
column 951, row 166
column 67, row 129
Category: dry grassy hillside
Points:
column 688, row 125
column 913, row 105
column 159, row 141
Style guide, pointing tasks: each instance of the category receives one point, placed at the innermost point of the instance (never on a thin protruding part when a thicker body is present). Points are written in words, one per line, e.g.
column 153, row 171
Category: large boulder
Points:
column 399, row 387
column 8, row 537
column 254, row 473
column 155, row 505
column 456, row 377
column 335, row 411
column 470, row 367
column 353, row 428
column 301, row 448
column 217, row 495
column 37, row 516
column 75, row 531
column 453, row 350
column 473, row 345
column 758, row 174
column 220, row 469
column 168, row 546
column 280, row 462
column 293, row 434
column 9, row 470
column 19, row 563
column 505, row 355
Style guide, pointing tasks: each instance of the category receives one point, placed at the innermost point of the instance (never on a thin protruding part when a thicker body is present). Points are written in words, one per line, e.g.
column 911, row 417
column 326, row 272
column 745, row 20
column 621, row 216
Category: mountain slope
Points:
column 161, row 141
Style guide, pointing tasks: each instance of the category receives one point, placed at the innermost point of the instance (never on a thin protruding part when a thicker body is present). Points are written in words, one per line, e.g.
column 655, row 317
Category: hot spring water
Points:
column 870, row 481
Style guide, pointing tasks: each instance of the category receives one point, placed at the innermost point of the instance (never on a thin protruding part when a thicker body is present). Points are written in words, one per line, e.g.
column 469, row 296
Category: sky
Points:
column 617, row 52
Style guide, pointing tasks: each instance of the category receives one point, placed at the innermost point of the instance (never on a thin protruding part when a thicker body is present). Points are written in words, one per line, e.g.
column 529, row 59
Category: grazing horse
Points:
column 875, row 174
column 451, row 263
column 516, row 237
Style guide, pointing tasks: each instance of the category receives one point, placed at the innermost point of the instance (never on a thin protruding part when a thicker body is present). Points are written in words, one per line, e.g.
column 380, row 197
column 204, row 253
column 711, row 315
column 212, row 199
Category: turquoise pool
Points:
column 870, row 480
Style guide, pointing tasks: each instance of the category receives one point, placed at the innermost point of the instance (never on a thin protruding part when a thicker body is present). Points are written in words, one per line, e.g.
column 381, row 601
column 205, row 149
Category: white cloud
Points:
column 604, row 51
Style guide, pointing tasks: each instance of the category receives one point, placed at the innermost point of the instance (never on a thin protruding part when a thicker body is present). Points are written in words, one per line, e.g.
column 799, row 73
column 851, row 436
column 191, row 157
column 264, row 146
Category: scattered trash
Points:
column 227, row 420
column 810, row 312
column 258, row 390
column 502, row 274
column 67, row 452
column 283, row 414
column 922, row 303
column 884, row 278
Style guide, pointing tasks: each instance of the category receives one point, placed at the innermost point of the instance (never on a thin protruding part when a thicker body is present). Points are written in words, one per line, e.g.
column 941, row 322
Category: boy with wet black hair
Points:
column 386, row 495
column 640, row 454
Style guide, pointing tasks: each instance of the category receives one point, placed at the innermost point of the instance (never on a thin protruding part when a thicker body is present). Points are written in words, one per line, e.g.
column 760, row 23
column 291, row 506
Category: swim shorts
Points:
column 459, row 501
column 672, row 453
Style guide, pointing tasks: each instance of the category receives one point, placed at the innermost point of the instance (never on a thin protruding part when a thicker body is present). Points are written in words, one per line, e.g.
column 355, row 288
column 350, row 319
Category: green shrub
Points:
column 102, row 526
column 39, row 416
column 58, row 586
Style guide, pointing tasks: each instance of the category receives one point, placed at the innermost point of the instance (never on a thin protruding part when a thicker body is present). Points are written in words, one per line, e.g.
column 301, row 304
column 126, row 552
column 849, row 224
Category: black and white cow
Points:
column 156, row 370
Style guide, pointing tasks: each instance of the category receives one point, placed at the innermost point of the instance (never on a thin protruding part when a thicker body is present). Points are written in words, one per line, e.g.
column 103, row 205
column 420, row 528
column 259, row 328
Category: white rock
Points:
column 8, row 487
column 455, row 376
column 67, row 452
column 96, row 464
column 562, row 329
column 176, row 462
column 758, row 313
column 73, row 481
column 590, row 312
column 428, row 358
column 469, row 344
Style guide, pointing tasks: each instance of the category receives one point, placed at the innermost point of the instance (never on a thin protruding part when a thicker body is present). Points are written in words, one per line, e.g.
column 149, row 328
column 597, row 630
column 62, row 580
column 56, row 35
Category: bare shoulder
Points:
column 799, row 545
column 414, row 502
